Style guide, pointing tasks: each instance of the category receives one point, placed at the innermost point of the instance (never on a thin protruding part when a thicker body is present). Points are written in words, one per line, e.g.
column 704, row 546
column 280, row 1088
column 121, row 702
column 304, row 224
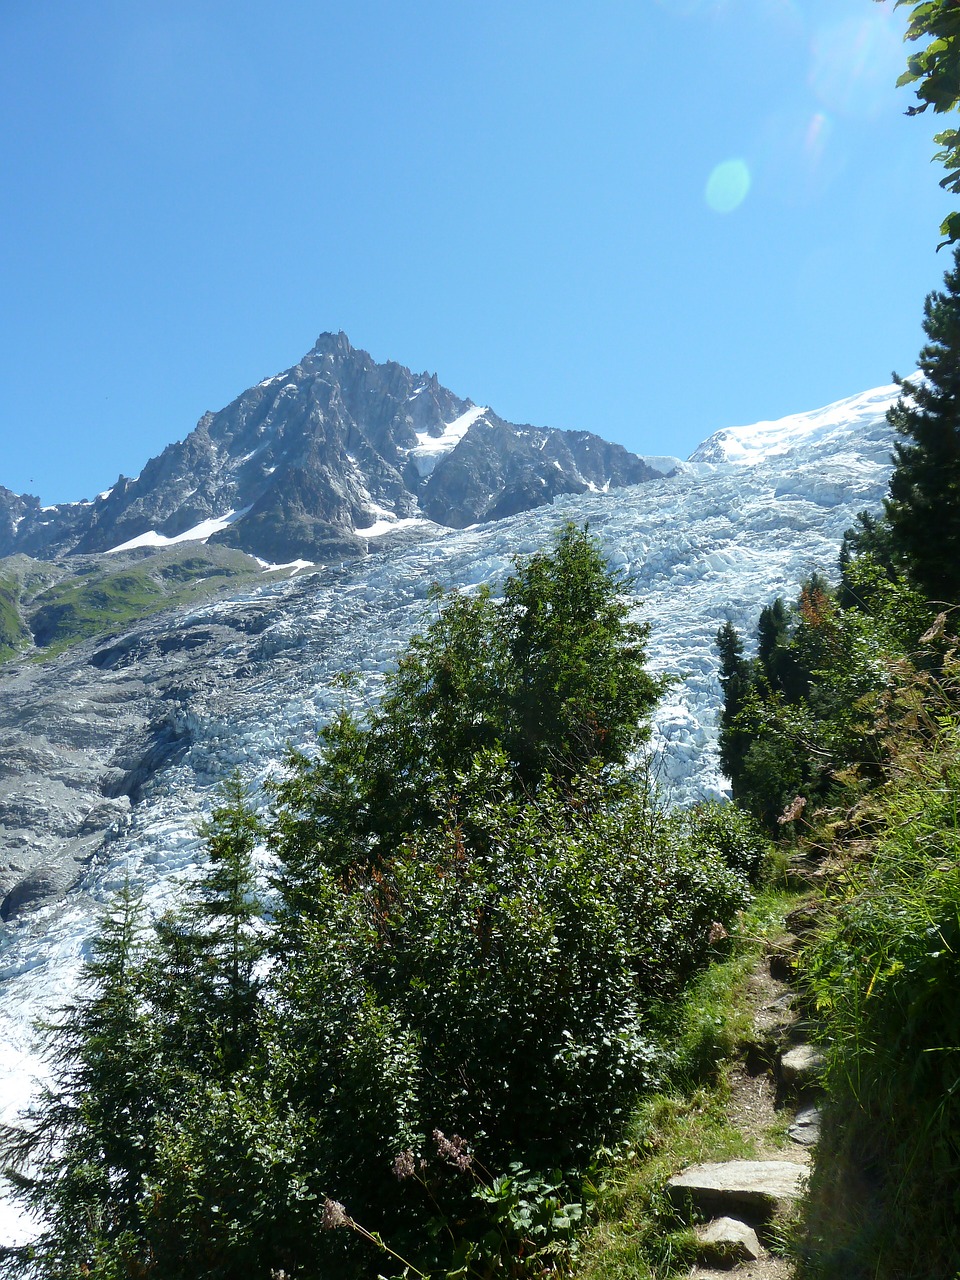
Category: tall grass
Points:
column 885, row 976
column 638, row 1234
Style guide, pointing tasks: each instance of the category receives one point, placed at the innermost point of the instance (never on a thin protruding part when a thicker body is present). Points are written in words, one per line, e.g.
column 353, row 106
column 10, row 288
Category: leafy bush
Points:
column 477, row 910
column 494, row 979
column 885, row 974
column 801, row 712
column 725, row 830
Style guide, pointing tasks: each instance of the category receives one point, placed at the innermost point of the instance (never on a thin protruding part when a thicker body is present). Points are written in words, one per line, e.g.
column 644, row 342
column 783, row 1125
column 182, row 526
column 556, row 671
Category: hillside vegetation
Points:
column 478, row 922
column 842, row 735
column 45, row 607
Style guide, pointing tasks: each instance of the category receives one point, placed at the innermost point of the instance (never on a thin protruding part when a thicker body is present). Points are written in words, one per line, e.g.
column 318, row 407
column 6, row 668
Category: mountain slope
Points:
column 317, row 461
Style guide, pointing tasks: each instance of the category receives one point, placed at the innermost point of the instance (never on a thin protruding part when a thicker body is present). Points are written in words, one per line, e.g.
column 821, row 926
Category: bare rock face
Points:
column 754, row 1188
column 83, row 739
column 300, row 465
column 38, row 885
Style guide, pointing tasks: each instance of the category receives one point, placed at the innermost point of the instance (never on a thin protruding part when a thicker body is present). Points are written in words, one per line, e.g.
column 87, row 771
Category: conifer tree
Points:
column 205, row 988
column 736, row 683
column 579, row 692
column 87, row 1146
column 548, row 683
column 923, row 507
column 231, row 910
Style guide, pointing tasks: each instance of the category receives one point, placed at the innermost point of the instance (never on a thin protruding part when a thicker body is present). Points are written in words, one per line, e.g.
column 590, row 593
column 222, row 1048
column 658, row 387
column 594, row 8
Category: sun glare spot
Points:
column 728, row 185
column 854, row 65
column 816, row 137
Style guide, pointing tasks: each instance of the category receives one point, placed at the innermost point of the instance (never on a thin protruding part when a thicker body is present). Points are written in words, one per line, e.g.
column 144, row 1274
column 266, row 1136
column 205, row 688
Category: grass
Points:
column 885, row 972
column 77, row 609
column 54, row 606
column 14, row 633
column 637, row 1235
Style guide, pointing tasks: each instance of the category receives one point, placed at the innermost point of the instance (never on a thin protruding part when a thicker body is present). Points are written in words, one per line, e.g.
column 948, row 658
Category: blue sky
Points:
column 644, row 218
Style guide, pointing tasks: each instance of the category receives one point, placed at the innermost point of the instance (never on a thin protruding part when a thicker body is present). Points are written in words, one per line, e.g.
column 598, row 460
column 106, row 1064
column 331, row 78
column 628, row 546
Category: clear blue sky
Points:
column 644, row 218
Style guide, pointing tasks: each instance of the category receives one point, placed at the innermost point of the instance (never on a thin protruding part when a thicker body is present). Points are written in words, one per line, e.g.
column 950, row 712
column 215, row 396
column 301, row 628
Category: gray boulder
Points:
column 801, row 1066
column 725, row 1242
column 806, row 1127
column 756, row 1188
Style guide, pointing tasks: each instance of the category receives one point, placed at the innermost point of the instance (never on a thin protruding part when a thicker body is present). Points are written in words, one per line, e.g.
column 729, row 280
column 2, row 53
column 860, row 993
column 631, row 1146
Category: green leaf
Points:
column 950, row 228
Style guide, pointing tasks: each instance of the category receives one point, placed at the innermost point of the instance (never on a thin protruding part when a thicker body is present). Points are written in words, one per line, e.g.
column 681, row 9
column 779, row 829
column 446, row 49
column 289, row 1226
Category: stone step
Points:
column 756, row 1189
column 801, row 1066
column 806, row 1127
column 725, row 1242
column 782, row 957
column 766, row 1269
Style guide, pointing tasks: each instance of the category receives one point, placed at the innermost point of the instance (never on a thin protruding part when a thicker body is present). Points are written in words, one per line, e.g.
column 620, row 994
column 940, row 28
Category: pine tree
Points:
column 923, row 507
column 205, row 987
column 736, row 683
column 548, row 683
column 87, row 1146
column 579, row 693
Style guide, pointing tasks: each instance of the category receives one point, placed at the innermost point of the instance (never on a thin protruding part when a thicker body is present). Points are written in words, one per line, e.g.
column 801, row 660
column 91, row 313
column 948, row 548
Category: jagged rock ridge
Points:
column 320, row 460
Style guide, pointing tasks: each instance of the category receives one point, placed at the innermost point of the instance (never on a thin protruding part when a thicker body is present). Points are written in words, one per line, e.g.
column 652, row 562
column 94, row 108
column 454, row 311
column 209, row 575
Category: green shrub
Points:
column 800, row 715
column 477, row 910
column 550, row 682
column 495, row 979
column 885, row 974
column 727, row 830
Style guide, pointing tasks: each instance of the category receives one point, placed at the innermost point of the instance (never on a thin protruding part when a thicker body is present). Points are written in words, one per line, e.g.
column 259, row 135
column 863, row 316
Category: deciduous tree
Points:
column 934, row 70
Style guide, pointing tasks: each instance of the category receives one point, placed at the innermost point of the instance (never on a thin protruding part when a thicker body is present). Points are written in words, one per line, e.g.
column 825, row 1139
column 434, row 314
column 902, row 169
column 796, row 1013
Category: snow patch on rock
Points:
column 430, row 449
column 199, row 533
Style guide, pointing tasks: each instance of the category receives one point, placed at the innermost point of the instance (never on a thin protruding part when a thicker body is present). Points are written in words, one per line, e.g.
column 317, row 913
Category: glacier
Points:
column 754, row 511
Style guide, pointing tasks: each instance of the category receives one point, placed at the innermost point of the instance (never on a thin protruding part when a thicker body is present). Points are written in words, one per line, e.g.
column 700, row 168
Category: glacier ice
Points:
column 754, row 512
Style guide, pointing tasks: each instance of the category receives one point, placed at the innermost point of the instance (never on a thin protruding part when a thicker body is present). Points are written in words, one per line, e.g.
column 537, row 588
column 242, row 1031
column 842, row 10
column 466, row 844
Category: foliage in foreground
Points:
column 477, row 913
column 923, row 506
column 853, row 705
column 881, row 810
column 637, row 1233
column 934, row 71
column 846, row 726
column 801, row 713
column 885, row 976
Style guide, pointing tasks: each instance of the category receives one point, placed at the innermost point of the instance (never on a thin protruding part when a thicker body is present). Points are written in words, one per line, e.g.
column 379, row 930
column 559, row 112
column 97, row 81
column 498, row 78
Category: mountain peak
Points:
column 332, row 344
column 317, row 461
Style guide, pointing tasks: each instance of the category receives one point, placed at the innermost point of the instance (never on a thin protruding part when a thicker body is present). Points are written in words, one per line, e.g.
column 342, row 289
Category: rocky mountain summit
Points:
column 320, row 460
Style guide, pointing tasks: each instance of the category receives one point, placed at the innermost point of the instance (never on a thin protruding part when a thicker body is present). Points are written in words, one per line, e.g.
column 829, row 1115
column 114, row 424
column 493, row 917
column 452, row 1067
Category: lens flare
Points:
column 728, row 185
column 854, row 66
column 817, row 136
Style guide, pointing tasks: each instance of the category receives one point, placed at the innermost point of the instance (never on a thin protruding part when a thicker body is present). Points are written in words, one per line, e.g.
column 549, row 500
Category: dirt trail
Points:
column 770, row 1088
